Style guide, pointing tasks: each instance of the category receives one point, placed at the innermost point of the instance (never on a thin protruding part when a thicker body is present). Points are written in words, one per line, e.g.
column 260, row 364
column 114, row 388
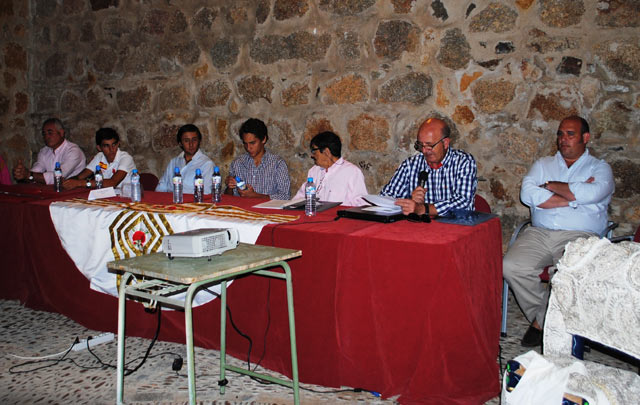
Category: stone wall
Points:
column 504, row 72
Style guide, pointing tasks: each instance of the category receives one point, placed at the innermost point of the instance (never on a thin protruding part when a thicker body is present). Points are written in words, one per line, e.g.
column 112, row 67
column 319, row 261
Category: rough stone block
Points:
column 540, row 42
column 524, row 4
column 174, row 98
column 135, row 100
column 454, row 50
column 495, row 17
column 369, row 132
column 518, row 148
column 104, row 60
column 414, row 88
column 621, row 57
column 627, row 180
column 224, row 53
column 204, row 18
column 442, row 100
column 141, row 60
column 21, row 102
column 280, row 132
column 614, row 117
column 345, row 7
column 102, row 4
column 45, row 8
column 262, row 11
column 269, row 49
column 491, row 96
column 570, row 66
column 71, row 102
column 154, row 22
column 222, row 129
column 72, row 6
column 463, row 115
column 561, row 13
column 466, row 80
column 402, row 6
column 55, row 65
column 235, row 15
column 86, row 32
column 9, row 79
column 15, row 56
column 296, row 94
column 4, row 105
column 349, row 45
column 313, row 127
column 306, row 46
column 95, row 100
column 253, row 88
column 116, row 27
column 439, row 10
column 618, row 13
column 286, row 9
column 550, row 107
column 63, row 33
column 347, row 90
column 212, row 94
column 187, row 53
column 177, row 22
column 395, row 37
column 165, row 137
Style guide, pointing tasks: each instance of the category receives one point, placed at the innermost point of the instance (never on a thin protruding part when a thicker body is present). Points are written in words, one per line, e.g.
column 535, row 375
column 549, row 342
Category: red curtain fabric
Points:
column 409, row 309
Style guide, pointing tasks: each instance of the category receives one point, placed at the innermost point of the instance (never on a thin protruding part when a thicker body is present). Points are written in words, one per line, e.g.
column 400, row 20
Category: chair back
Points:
column 481, row 204
column 149, row 181
column 636, row 237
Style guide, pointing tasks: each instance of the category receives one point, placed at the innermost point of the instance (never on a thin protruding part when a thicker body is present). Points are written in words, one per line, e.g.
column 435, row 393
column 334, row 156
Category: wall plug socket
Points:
column 96, row 340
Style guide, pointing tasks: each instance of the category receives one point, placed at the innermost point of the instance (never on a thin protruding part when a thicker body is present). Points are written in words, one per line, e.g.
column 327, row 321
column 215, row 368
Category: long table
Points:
column 409, row 309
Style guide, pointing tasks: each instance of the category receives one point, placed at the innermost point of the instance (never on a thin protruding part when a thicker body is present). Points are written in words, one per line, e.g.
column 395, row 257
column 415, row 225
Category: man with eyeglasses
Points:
column 451, row 184
column 56, row 149
column 568, row 195
column 336, row 179
column 115, row 164
column 191, row 158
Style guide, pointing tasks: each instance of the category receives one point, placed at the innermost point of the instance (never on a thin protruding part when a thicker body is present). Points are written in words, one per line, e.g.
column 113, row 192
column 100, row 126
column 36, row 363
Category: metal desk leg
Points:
column 223, row 324
column 121, row 322
column 292, row 334
column 189, row 332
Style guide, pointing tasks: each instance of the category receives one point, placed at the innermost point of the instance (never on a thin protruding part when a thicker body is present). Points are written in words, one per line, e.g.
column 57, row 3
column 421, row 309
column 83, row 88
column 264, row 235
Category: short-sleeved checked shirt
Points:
column 452, row 186
column 270, row 177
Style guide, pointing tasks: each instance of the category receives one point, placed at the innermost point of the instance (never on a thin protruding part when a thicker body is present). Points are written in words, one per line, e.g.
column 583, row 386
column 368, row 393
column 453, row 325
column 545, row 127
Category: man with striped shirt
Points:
column 452, row 180
column 265, row 174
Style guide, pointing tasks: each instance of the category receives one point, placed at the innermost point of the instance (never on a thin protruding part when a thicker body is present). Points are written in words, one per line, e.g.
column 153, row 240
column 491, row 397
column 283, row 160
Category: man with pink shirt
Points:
column 336, row 179
column 57, row 149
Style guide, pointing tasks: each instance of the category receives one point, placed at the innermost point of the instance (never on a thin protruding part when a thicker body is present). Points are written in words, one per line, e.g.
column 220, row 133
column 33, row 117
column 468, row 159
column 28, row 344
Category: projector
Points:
column 200, row 242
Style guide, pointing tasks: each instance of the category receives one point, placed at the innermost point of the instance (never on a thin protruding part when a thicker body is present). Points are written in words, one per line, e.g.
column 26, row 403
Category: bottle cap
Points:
column 216, row 169
column 310, row 179
column 98, row 168
column 238, row 178
column 176, row 170
column 57, row 165
column 198, row 172
column 134, row 171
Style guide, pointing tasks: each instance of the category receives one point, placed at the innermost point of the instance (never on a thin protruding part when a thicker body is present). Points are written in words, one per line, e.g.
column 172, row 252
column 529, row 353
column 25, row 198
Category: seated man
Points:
column 265, row 174
column 57, row 149
column 568, row 195
column 115, row 164
column 191, row 158
column 451, row 182
column 335, row 179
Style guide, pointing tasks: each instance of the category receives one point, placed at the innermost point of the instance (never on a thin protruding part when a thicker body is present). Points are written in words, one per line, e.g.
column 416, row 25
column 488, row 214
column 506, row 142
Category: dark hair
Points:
column 327, row 140
column 106, row 133
column 254, row 126
column 188, row 128
column 584, row 125
column 55, row 121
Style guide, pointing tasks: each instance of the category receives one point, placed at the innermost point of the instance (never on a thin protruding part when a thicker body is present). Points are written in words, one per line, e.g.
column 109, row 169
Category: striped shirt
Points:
column 450, row 187
column 270, row 177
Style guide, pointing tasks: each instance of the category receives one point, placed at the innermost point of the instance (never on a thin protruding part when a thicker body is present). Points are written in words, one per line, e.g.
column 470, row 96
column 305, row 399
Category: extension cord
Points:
column 102, row 338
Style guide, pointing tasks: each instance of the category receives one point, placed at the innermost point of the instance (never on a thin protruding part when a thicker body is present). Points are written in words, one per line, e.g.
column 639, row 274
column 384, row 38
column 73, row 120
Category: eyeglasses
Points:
column 313, row 150
column 419, row 146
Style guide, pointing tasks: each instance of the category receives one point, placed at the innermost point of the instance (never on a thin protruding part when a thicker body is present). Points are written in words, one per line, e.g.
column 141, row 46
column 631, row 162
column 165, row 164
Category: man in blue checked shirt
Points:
column 452, row 180
column 265, row 174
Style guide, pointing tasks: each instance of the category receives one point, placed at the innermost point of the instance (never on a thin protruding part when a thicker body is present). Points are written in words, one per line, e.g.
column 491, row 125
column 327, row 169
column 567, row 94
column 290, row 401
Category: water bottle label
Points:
column 199, row 182
column 177, row 180
column 217, row 180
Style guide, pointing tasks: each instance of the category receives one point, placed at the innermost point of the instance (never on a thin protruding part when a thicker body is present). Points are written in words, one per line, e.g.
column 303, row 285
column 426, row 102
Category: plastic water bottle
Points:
column 240, row 184
column 310, row 198
column 98, row 177
column 177, row 186
column 198, row 187
column 216, row 189
column 57, row 178
column 136, row 189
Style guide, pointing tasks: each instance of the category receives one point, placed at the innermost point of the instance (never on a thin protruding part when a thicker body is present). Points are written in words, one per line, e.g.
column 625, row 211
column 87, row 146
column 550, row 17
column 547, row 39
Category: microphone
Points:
column 423, row 176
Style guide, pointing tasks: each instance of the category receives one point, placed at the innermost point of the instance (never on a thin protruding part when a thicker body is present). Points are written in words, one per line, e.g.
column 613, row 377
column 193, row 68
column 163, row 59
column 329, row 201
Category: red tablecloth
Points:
column 404, row 308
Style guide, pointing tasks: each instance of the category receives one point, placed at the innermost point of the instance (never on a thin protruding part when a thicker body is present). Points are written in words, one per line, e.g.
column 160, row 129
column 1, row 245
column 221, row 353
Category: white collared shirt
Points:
column 341, row 182
column 71, row 158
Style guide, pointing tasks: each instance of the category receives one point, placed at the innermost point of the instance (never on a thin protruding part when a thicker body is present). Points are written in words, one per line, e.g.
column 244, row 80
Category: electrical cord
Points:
column 40, row 357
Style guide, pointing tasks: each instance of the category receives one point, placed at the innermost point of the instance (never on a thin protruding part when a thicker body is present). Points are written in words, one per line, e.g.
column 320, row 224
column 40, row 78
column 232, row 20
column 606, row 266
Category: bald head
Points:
column 433, row 140
column 436, row 124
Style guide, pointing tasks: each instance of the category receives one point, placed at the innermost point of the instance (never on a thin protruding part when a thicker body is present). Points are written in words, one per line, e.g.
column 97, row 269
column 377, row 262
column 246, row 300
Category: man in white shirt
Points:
column 57, row 149
column 191, row 158
column 336, row 179
column 568, row 195
column 115, row 164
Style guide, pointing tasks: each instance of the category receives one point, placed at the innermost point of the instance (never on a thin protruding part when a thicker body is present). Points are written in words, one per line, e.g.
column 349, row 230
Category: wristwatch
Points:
column 88, row 183
column 573, row 204
column 31, row 178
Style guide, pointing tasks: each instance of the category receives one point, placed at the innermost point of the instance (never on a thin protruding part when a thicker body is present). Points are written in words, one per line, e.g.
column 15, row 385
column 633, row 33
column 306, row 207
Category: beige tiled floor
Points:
column 81, row 379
